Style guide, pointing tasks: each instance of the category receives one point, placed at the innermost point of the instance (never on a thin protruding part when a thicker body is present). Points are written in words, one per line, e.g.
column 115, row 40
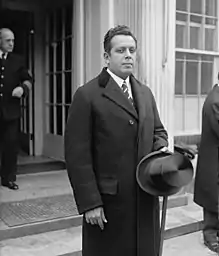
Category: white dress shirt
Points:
column 119, row 81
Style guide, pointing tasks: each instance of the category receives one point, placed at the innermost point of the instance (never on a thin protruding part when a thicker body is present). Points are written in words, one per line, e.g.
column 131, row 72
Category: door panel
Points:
column 59, row 73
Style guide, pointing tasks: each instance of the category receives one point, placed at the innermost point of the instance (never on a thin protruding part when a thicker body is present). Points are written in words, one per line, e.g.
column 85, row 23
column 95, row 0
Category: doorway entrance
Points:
column 21, row 23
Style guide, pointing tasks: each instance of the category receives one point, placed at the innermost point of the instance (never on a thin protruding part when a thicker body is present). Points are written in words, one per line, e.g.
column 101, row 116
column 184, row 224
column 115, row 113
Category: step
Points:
column 38, row 227
column 78, row 253
column 68, row 242
column 175, row 201
column 38, row 164
column 43, row 203
column 183, row 220
column 54, row 185
column 179, row 220
column 51, row 243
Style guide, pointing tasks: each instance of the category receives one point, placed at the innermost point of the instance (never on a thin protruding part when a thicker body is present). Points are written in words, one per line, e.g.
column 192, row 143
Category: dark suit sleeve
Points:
column 214, row 118
column 78, row 153
column 160, row 134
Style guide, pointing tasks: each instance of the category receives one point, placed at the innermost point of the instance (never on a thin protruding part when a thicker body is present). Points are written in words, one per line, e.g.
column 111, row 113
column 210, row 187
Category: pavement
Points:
column 68, row 242
column 182, row 235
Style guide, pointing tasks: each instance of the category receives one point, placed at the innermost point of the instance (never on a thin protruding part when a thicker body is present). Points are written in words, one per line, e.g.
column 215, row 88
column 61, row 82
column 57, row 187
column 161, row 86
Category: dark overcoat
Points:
column 105, row 138
column 12, row 74
column 206, row 181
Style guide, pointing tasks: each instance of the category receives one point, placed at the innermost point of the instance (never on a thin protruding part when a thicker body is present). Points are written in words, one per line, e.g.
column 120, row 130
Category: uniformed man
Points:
column 15, row 83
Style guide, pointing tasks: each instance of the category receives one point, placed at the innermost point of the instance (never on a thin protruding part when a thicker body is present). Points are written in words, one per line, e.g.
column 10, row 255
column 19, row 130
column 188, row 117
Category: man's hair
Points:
column 2, row 30
column 118, row 30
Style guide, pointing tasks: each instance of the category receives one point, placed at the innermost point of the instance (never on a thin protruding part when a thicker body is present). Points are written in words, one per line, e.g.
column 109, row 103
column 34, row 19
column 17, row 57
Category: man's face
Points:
column 7, row 41
column 122, row 57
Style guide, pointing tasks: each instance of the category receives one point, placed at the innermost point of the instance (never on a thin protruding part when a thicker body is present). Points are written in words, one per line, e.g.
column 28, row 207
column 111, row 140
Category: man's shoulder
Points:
column 16, row 57
column 89, row 88
column 213, row 92
column 90, row 85
column 212, row 97
column 144, row 86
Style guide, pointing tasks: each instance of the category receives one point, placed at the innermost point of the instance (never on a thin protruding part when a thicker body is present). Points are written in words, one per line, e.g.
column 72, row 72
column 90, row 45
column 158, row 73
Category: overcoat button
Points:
column 131, row 122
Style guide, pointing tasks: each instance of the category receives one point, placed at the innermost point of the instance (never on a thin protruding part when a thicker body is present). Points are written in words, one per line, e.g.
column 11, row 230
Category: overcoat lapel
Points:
column 114, row 93
column 140, row 99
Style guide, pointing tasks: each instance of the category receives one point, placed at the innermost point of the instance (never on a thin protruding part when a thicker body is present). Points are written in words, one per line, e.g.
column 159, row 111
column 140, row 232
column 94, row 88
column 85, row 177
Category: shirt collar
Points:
column 118, row 79
column 1, row 52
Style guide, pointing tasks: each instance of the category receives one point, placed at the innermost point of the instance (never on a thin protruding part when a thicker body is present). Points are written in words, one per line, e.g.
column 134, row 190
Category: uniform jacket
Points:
column 12, row 74
column 105, row 138
column 207, row 173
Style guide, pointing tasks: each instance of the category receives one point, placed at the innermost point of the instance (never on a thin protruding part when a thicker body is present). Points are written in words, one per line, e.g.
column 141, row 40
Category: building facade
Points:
column 63, row 43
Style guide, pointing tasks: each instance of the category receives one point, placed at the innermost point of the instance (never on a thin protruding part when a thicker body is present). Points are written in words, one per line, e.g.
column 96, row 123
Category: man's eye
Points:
column 120, row 50
column 132, row 50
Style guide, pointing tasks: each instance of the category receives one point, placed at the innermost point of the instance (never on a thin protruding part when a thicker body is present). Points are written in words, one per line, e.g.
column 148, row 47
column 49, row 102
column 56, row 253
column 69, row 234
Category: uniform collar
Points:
column 1, row 52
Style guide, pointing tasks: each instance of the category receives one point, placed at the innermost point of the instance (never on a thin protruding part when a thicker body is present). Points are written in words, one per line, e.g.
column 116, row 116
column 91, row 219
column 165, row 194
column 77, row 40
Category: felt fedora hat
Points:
column 164, row 173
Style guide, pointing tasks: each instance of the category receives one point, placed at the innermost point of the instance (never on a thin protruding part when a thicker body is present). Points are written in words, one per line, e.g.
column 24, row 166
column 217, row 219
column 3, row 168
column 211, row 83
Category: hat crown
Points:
column 171, row 169
column 164, row 173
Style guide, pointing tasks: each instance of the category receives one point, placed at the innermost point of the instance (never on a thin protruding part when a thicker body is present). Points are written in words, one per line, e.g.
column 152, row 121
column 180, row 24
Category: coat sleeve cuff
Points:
column 87, row 197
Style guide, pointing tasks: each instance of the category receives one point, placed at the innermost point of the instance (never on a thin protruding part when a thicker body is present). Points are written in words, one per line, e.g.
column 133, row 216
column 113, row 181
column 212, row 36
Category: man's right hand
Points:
column 96, row 217
column 18, row 92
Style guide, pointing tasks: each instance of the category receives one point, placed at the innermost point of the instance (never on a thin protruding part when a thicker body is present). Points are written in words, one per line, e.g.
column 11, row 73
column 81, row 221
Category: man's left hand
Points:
column 18, row 92
column 164, row 149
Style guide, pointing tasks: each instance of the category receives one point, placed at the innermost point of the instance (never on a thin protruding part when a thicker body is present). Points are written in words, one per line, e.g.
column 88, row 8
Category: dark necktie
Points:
column 126, row 92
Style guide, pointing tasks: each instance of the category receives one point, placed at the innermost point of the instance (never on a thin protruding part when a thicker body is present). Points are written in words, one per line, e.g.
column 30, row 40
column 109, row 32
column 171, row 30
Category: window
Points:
column 59, row 68
column 196, row 54
column 196, row 24
column 193, row 74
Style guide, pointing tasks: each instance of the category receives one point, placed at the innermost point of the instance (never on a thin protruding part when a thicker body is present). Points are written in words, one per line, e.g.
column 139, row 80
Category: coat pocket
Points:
column 108, row 186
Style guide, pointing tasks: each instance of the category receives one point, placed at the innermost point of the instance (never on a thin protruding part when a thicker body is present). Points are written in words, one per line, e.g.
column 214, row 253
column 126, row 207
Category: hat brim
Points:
column 147, row 185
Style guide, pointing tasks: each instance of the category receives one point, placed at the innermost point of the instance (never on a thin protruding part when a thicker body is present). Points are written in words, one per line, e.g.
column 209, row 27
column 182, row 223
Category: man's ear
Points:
column 106, row 57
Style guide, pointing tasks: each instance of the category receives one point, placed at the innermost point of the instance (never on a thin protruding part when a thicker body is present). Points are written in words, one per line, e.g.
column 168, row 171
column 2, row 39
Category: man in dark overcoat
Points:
column 15, row 83
column 207, row 181
column 110, row 128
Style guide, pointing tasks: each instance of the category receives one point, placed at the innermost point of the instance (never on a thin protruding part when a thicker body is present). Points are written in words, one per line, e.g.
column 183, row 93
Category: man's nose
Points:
column 127, row 53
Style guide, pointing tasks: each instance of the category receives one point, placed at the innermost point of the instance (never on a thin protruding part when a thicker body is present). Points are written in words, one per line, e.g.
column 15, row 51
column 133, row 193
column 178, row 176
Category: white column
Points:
column 157, row 56
column 106, row 22
column 99, row 17
column 78, row 58
column 169, row 67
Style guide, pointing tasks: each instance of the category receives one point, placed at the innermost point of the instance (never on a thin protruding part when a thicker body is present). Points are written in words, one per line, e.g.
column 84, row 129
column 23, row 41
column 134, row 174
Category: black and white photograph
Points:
column 109, row 127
